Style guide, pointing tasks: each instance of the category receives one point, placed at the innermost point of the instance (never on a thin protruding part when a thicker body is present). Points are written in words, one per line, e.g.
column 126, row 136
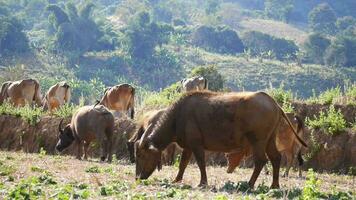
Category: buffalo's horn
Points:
column 144, row 136
column 60, row 126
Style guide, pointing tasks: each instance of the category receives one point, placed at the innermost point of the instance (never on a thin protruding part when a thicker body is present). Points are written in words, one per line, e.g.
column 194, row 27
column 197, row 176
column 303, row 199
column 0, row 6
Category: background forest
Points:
column 307, row 46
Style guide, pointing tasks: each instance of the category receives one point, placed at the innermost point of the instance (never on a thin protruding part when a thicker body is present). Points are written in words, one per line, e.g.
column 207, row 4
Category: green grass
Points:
column 28, row 114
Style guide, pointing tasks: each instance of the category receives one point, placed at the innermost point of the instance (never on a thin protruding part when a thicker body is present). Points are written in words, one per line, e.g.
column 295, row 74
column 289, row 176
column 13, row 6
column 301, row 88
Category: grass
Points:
column 31, row 115
column 71, row 179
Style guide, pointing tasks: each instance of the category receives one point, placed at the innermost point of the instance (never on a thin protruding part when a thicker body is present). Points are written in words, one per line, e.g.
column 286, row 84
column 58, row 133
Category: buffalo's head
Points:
column 233, row 160
column 148, row 157
column 65, row 138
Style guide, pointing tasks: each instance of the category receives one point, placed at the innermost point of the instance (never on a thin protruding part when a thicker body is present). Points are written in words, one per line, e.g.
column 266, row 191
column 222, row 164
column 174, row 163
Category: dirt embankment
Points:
column 334, row 153
column 16, row 135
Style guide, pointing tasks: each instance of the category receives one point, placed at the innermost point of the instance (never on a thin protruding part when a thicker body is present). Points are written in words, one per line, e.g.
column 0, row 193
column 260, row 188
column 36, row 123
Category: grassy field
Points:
column 40, row 176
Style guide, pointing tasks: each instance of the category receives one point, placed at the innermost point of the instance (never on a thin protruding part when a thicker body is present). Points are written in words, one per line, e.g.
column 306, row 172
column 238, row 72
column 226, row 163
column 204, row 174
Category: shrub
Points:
column 345, row 22
column 218, row 39
column 31, row 115
column 259, row 43
column 164, row 98
column 331, row 121
column 12, row 37
column 311, row 189
column 66, row 110
column 341, row 52
column 215, row 79
column 284, row 98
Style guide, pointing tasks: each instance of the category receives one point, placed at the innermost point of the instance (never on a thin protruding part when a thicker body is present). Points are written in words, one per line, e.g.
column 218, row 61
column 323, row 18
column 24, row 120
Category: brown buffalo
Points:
column 56, row 96
column 21, row 92
column 196, row 83
column 87, row 124
column 120, row 98
column 218, row 122
column 148, row 118
column 286, row 143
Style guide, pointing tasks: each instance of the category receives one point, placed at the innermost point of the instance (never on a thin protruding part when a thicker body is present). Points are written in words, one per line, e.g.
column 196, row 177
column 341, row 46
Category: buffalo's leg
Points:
column 289, row 164
column 186, row 155
column 86, row 147
column 104, row 149
column 79, row 150
column 200, row 157
column 275, row 156
column 172, row 153
column 259, row 159
column 109, row 149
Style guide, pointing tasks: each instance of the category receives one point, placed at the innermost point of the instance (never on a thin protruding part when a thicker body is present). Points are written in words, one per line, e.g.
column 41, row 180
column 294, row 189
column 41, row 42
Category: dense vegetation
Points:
column 153, row 44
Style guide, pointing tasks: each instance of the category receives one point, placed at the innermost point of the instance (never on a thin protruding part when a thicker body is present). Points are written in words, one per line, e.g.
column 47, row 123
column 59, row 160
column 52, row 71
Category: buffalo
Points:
column 87, row 124
column 218, row 122
column 148, row 118
column 286, row 143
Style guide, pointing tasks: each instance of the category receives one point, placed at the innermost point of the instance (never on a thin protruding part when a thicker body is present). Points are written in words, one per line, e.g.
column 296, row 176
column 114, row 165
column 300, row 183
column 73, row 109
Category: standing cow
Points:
column 196, row 83
column 286, row 143
column 120, row 98
column 21, row 92
column 87, row 124
column 56, row 96
column 219, row 122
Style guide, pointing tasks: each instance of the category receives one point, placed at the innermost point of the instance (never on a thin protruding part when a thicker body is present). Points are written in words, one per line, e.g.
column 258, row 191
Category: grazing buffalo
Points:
column 218, row 122
column 151, row 117
column 196, row 83
column 87, row 124
column 286, row 143
column 120, row 98
column 21, row 92
column 56, row 96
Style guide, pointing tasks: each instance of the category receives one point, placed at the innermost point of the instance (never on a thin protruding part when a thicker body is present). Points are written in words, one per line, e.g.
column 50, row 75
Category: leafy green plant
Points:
column 314, row 147
column 93, row 169
column 31, row 115
column 331, row 121
column 311, row 188
column 66, row 110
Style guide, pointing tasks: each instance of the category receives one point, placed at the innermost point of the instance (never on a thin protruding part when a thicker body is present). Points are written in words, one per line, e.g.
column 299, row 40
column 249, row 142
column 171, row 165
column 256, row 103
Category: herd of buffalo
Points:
column 239, row 124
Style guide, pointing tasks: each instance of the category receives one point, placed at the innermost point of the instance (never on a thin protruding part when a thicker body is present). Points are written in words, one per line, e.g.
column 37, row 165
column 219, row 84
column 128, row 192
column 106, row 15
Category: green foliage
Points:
column 314, row 148
column 93, row 169
column 215, row 79
column 164, row 98
column 345, row 22
column 259, row 43
column 31, row 115
column 311, row 189
column 315, row 47
column 331, row 121
column 218, row 39
column 322, row 19
column 283, row 97
column 66, row 110
column 278, row 9
column 6, row 170
column 341, row 51
column 12, row 37
column 143, row 35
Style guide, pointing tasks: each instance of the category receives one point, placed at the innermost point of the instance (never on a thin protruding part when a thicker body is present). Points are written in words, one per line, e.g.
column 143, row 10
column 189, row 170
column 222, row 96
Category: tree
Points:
column 315, row 47
column 218, row 39
column 345, row 22
column 12, row 37
column 278, row 9
column 322, row 19
column 143, row 35
column 215, row 79
column 342, row 52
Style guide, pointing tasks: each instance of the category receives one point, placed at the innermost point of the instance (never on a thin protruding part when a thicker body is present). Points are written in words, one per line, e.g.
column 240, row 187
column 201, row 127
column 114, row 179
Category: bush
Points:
column 31, row 115
column 218, row 39
column 164, row 98
column 344, row 23
column 311, row 189
column 284, row 98
column 259, row 43
column 215, row 79
column 331, row 121
column 315, row 47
